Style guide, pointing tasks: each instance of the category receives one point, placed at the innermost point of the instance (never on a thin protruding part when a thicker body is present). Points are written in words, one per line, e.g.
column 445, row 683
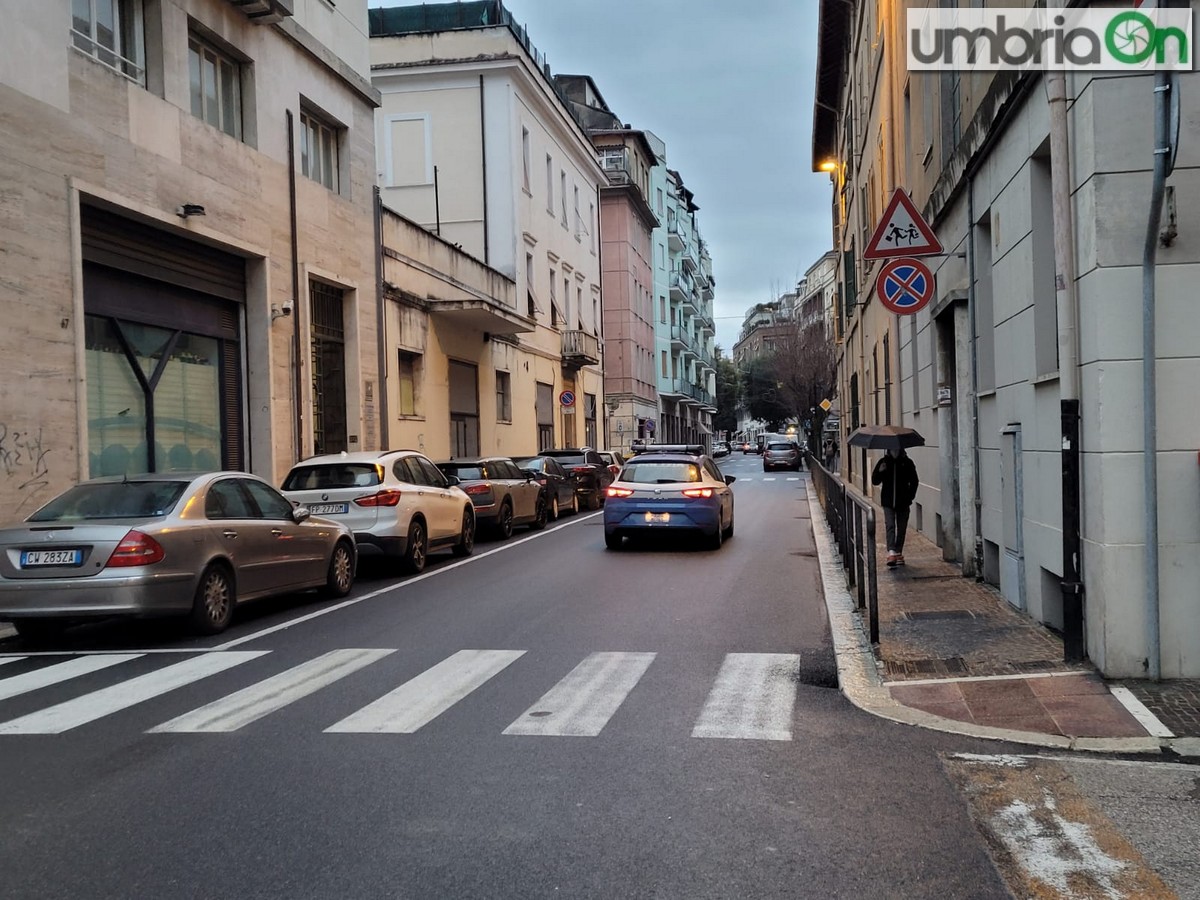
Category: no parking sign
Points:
column 904, row 286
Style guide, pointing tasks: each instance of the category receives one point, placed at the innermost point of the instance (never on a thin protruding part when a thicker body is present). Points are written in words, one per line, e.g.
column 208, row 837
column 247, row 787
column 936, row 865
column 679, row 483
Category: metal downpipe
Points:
column 977, row 498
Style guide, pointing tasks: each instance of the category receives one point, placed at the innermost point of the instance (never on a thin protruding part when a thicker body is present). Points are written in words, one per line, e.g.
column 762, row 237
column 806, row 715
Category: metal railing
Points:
column 851, row 518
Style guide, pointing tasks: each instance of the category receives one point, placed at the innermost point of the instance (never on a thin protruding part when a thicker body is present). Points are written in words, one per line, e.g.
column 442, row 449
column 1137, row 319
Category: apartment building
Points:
column 478, row 146
column 1025, row 372
column 188, row 239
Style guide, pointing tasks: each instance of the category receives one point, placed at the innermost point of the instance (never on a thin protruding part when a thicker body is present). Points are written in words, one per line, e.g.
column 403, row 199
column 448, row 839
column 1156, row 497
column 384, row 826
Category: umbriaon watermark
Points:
column 1097, row 39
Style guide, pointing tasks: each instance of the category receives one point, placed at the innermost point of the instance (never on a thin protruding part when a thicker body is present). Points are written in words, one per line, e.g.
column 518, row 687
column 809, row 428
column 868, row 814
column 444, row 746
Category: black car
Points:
column 560, row 486
column 591, row 469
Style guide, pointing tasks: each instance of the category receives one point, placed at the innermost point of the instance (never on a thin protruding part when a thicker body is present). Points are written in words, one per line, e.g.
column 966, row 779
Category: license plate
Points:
column 658, row 518
column 325, row 509
column 30, row 558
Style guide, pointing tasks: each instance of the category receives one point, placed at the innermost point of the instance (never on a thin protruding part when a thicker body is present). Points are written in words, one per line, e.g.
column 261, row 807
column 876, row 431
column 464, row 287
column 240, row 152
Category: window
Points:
column 227, row 500
column 562, row 193
column 532, row 308
column 662, row 312
column 319, row 151
column 525, row 158
column 408, row 377
column 503, row 397
column 589, row 419
column 664, row 363
column 659, row 202
column 553, row 300
column 578, row 218
column 271, row 504
column 216, row 87
column 110, row 31
column 549, row 184
column 591, row 221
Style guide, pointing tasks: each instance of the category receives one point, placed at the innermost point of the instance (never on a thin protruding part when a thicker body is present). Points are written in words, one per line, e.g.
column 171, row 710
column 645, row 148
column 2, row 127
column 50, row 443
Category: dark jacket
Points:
column 898, row 479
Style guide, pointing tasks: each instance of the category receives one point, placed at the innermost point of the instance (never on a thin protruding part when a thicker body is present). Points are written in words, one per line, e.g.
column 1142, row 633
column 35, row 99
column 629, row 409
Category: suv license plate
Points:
column 32, row 558
column 325, row 509
column 658, row 518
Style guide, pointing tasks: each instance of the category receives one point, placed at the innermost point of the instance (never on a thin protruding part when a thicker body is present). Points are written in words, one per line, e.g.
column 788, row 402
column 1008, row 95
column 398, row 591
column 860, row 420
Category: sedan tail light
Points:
column 619, row 492
column 698, row 492
column 136, row 549
column 389, row 497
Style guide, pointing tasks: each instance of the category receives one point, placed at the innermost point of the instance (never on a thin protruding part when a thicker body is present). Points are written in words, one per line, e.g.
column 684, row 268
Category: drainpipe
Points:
column 977, row 496
column 1068, row 366
column 1162, row 154
column 483, row 155
column 298, row 433
column 381, row 382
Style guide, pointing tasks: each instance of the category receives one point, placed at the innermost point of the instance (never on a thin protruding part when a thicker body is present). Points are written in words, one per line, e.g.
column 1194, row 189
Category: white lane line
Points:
column 793, row 478
column 72, row 668
column 251, row 704
column 8, row 659
column 582, row 703
column 1138, row 710
column 73, row 713
column 422, row 699
column 752, row 699
column 768, row 479
column 575, row 520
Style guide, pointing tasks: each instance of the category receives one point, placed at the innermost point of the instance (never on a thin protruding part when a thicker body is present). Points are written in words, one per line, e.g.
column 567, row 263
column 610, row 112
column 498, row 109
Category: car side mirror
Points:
column 300, row 513
column 453, row 480
column 529, row 476
column 729, row 479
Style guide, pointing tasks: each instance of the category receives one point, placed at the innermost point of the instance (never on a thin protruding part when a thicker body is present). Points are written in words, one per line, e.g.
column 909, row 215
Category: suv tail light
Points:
column 581, row 470
column 389, row 497
column 474, row 489
column 615, row 470
column 136, row 549
column 619, row 492
column 698, row 492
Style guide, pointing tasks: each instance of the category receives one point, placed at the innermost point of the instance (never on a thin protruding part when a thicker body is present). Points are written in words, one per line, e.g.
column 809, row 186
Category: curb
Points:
column 860, row 682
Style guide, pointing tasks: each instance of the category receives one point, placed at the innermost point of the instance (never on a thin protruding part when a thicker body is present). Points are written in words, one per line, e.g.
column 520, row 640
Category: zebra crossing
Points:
column 752, row 696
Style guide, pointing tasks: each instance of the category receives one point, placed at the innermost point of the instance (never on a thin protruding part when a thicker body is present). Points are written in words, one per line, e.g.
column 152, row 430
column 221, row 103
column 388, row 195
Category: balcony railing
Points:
column 676, row 235
column 580, row 348
column 681, row 336
column 683, row 289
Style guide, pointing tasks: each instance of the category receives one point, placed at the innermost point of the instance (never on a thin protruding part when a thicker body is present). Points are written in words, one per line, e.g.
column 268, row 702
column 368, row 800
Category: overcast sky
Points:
column 729, row 88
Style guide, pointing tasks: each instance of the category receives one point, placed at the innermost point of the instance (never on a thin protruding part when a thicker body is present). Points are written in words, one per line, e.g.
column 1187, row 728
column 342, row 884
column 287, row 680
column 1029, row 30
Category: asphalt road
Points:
column 657, row 722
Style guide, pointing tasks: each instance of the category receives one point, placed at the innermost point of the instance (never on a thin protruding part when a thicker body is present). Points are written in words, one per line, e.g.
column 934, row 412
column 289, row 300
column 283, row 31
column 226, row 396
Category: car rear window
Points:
column 660, row 472
column 463, row 471
column 779, row 446
column 577, row 459
column 332, row 475
column 113, row 500
column 532, row 463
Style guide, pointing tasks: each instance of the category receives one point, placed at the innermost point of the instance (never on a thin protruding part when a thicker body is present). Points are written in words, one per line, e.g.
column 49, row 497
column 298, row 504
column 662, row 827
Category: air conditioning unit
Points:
column 265, row 12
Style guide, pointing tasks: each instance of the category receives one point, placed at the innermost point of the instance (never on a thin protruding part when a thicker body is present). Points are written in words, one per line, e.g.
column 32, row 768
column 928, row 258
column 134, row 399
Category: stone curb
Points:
column 860, row 682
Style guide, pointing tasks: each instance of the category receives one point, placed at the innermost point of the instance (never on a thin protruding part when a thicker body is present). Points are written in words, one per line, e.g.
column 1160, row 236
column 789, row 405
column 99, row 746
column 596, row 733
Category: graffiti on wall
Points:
column 24, row 461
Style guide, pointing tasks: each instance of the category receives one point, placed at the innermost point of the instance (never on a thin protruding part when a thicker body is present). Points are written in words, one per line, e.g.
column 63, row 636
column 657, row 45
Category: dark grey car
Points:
column 781, row 455
column 503, row 494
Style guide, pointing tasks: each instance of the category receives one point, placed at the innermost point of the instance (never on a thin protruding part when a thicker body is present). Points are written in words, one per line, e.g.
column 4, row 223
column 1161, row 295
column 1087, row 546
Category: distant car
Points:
column 559, row 485
column 673, row 488
column 720, row 449
column 781, row 455
column 397, row 502
column 591, row 469
column 166, row 544
column 745, row 447
column 613, row 459
column 503, row 495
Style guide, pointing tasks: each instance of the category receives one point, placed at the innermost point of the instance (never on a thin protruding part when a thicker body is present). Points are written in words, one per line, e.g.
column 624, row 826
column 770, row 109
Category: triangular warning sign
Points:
column 902, row 231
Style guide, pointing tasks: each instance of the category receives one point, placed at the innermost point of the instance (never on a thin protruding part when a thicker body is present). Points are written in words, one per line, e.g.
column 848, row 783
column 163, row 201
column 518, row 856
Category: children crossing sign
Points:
column 902, row 231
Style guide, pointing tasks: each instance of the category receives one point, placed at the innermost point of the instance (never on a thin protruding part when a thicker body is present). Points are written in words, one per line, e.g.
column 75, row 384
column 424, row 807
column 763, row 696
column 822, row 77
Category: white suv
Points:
column 396, row 502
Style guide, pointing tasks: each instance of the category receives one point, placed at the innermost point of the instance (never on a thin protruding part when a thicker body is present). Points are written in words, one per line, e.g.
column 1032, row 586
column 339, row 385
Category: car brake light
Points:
column 619, row 492
column 390, row 497
column 581, row 470
column 478, row 489
column 614, row 470
column 136, row 549
column 698, row 492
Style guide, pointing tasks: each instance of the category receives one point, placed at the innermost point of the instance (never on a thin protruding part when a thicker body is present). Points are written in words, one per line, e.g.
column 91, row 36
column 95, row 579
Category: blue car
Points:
column 669, row 488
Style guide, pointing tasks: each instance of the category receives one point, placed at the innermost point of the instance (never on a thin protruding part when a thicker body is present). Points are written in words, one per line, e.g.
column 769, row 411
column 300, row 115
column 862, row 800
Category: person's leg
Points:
column 901, row 517
column 889, row 520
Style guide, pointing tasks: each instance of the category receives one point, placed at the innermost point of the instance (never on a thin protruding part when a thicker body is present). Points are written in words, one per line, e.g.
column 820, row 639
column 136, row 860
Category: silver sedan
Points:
column 166, row 544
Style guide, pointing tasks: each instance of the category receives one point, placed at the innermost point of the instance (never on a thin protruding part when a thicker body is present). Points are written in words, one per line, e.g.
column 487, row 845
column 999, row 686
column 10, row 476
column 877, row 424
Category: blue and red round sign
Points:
column 904, row 286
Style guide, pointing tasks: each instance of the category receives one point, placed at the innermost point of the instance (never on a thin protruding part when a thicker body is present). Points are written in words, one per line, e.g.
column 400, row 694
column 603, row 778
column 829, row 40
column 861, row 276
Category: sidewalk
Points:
column 954, row 655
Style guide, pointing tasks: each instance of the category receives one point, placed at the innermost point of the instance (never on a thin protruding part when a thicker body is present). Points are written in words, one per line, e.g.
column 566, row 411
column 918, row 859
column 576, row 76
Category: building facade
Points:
column 188, row 239
column 1018, row 348
column 477, row 145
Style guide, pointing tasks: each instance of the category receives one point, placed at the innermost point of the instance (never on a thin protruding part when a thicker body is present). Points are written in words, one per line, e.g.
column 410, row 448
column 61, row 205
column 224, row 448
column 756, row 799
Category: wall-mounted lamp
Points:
column 829, row 165
column 189, row 209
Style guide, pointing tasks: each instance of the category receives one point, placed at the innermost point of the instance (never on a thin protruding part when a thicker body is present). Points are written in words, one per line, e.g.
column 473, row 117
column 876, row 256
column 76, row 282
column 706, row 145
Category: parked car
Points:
column 720, row 449
column 613, row 460
column 560, row 485
column 781, row 454
column 503, row 495
column 591, row 469
column 397, row 503
column 672, row 488
column 166, row 544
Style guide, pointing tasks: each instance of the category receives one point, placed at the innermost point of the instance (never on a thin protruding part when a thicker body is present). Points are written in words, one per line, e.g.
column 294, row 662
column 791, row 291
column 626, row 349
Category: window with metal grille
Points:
column 328, row 368
column 216, row 86
column 503, row 397
column 110, row 31
column 319, row 150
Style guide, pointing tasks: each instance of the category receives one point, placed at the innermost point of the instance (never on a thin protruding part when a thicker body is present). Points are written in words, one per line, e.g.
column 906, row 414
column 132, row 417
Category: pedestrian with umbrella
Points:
column 896, row 474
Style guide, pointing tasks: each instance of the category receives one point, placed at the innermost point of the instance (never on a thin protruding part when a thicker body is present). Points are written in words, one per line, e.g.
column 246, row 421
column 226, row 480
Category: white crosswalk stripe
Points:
column 752, row 699
column 90, row 707
column 582, row 703
column 236, row 710
column 422, row 699
column 8, row 659
column 40, row 678
column 793, row 478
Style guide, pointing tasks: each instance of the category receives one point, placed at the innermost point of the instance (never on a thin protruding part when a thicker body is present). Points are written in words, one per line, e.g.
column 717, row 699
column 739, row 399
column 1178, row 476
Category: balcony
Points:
column 681, row 339
column 676, row 235
column 683, row 290
column 615, row 163
column 265, row 12
column 676, row 389
column 580, row 348
column 688, row 259
column 705, row 324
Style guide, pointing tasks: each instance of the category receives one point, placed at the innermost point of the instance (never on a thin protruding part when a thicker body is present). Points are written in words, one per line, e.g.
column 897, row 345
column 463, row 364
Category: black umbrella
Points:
column 885, row 437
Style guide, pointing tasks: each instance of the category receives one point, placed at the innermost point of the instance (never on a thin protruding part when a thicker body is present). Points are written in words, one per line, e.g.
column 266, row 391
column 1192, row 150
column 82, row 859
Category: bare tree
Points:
column 806, row 370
